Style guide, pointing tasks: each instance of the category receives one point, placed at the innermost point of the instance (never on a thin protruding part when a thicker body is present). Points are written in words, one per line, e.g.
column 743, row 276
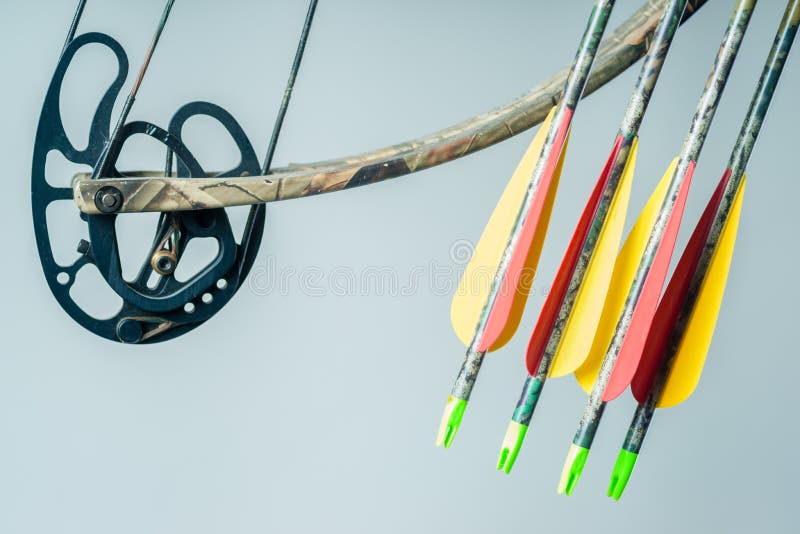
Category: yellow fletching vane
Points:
column 473, row 288
column 576, row 341
column 622, row 277
column 690, row 357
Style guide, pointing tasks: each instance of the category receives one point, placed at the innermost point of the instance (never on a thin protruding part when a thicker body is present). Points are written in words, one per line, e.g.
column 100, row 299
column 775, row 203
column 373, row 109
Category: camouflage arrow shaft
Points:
column 737, row 164
column 692, row 146
column 628, row 132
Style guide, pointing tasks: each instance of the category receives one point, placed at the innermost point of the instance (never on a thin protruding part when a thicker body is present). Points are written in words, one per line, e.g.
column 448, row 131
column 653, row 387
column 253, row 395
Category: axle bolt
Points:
column 108, row 199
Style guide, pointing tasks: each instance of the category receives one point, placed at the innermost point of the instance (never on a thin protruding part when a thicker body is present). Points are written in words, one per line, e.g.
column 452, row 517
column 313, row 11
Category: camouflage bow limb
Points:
column 150, row 191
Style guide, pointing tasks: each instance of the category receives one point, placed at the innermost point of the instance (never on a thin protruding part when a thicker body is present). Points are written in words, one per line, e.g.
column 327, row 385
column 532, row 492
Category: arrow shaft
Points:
column 651, row 68
column 642, row 417
column 692, row 146
column 529, row 398
column 584, row 57
column 765, row 90
column 468, row 374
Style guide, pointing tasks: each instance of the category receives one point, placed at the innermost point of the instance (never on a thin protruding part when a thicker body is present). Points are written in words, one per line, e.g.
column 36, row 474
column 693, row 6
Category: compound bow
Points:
column 192, row 200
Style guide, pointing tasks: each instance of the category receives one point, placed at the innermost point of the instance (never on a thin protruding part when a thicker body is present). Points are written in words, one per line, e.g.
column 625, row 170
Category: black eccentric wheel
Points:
column 165, row 308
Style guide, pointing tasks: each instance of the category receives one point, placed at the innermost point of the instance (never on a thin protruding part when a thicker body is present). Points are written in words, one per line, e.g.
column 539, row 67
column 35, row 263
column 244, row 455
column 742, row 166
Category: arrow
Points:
column 563, row 334
column 641, row 267
column 485, row 318
column 678, row 341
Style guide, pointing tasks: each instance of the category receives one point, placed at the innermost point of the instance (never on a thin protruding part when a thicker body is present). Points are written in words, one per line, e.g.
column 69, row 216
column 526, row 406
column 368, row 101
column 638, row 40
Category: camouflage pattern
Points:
column 692, row 146
column 640, row 98
column 152, row 192
column 651, row 69
column 468, row 374
column 531, row 391
column 736, row 164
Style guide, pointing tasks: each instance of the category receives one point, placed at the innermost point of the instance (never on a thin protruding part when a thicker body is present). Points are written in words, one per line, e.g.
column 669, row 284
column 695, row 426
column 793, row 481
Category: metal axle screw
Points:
column 108, row 199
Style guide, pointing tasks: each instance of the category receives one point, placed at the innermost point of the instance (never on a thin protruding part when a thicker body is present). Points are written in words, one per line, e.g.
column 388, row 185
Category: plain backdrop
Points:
column 302, row 407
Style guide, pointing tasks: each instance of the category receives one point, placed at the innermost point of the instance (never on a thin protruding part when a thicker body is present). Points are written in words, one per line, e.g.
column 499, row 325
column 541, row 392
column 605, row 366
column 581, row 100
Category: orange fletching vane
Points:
column 533, row 230
column 632, row 346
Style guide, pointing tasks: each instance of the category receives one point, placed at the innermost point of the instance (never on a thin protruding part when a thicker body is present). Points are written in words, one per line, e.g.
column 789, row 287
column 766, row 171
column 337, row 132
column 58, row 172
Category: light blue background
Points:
column 294, row 412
